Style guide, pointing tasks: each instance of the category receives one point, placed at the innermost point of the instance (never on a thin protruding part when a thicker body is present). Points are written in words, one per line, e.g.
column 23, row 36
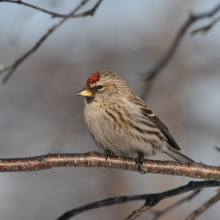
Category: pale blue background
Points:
column 39, row 112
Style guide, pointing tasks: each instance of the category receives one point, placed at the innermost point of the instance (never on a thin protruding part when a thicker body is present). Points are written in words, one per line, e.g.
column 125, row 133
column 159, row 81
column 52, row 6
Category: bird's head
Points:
column 104, row 85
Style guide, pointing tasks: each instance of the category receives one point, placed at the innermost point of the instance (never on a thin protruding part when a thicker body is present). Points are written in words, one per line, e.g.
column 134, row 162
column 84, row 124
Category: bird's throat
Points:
column 89, row 99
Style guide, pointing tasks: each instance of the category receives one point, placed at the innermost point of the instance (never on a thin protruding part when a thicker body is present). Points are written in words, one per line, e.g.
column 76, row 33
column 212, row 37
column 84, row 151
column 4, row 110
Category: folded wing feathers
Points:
column 150, row 115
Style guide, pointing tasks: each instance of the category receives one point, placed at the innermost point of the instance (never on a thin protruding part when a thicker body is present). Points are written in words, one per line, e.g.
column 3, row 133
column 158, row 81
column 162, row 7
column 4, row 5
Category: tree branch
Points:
column 137, row 213
column 206, row 28
column 95, row 159
column 150, row 199
column 168, row 54
column 10, row 70
column 54, row 14
column 204, row 207
column 158, row 214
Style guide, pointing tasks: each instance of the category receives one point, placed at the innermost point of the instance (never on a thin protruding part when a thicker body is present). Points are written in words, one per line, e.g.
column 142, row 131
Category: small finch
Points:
column 121, row 124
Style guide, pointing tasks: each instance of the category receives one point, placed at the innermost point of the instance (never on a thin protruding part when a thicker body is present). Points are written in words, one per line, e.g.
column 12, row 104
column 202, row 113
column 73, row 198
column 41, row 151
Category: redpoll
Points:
column 120, row 123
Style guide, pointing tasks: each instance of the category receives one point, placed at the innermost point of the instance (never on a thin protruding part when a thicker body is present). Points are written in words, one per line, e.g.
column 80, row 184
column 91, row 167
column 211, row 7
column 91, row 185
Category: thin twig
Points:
column 168, row 54
column 204, row 207
column 96, row 159
column 138, row 212
column 206, row 28
column 158, row 214
column 54, row 14
column 13, row 67
column 151, row 199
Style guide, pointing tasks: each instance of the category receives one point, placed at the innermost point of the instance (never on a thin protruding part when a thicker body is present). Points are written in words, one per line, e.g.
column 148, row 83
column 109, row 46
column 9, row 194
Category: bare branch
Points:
column 204, row 207
column 158, row 214
column 206, row 28
column 165, row 58
column 137, row 213
column 54, row 14
column 13, row 67
column 96, row 159
column 169, row 53
column 150, row 199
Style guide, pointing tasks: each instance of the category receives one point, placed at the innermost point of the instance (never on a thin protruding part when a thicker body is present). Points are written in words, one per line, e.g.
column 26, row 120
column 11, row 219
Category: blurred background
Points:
column 40, row 112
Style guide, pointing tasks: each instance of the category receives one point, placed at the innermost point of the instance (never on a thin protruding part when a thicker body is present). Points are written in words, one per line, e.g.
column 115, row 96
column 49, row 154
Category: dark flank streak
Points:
column 139, row 103
column 157, row 133
column 137, row 128
column 155, row 146
column 138, row 138
column 145, row 122
column 126, row 112
column 131, row 134
column 145, row 140
column 130, row 124
column 112, row 116
column 120, row 116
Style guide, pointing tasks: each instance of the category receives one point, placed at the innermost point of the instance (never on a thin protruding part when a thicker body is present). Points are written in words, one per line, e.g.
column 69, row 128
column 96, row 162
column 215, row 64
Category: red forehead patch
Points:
column 93, row 78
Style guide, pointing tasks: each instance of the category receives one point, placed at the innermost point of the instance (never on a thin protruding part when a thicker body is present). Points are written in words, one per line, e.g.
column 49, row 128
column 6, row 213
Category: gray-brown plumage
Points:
column 121, row 123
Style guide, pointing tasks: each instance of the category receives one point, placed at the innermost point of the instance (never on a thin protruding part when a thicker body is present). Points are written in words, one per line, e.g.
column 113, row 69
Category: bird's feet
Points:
column 108, row 153
column 139, row 159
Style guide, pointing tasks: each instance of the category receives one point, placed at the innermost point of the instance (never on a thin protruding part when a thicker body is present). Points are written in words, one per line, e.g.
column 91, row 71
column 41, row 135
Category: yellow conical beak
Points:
column 86, row 92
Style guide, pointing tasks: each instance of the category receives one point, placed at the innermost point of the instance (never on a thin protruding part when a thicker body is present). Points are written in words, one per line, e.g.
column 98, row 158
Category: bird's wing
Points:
column 152, row 117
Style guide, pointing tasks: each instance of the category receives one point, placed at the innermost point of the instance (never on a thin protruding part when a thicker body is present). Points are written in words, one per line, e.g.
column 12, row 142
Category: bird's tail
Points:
column 176, row 155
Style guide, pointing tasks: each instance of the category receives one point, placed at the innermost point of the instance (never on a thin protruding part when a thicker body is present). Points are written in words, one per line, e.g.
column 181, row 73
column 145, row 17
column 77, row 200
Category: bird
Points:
column 121, row 124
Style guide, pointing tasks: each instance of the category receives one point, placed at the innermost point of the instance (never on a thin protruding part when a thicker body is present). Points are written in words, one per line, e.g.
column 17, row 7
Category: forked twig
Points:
column 168, row 54
column 158, row 214
column 206, row 28
column 150, row 199
column 138, row 212
column 54, row 14
column 10, row 70
column 204, row 207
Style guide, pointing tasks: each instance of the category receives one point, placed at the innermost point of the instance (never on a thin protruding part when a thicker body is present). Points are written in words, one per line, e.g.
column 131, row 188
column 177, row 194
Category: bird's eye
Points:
column 99, row 87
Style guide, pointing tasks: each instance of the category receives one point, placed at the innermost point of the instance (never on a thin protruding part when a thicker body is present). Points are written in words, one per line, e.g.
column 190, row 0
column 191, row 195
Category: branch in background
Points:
column 96, row 159
column 10, row 70
column 54, row 14
column 165, row 58
column 206, row 28
column 204, row 207
column 158, row 214
column 150, row 199
column 137, row 213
